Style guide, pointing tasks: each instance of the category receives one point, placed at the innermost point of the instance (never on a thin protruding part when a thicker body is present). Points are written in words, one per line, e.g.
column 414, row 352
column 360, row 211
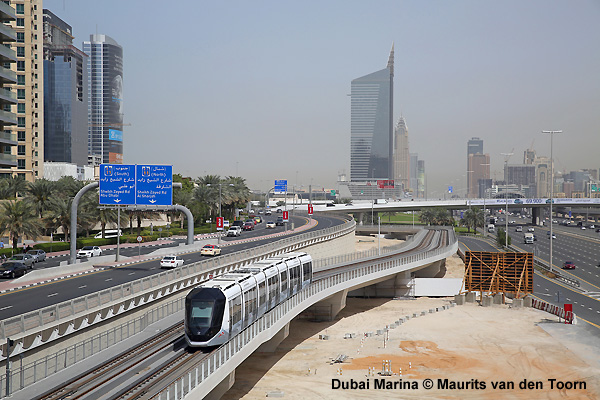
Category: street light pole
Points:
column 551, row 133
column 506, row 157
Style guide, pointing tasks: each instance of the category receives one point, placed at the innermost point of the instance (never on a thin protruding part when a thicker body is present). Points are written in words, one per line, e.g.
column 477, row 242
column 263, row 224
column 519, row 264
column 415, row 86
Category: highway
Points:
column 36, row 297
column 585, row 305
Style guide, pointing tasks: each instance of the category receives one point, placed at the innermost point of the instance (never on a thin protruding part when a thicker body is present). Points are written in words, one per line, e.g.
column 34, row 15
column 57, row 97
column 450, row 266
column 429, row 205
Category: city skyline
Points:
column 502, row 72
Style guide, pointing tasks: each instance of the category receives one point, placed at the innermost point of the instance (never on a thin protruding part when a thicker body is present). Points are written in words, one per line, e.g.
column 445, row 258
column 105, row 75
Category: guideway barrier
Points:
column 39, row 327
column 208, row 373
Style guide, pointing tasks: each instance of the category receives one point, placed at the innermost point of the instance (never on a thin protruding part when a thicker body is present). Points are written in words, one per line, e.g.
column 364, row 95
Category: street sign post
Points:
column 285, row 216
column 139, row 240
column 280, row 186
column 154, row 185
column 220, row 223
column 117, row 184
column 310, row 209
column 136, row 184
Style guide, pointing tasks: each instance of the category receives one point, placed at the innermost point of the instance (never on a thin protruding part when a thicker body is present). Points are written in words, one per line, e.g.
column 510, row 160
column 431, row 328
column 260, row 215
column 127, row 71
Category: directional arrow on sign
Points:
column 117, row 200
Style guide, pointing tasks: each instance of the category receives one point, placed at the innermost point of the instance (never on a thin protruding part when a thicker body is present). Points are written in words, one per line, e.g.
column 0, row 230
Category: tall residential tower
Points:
column 8, row 98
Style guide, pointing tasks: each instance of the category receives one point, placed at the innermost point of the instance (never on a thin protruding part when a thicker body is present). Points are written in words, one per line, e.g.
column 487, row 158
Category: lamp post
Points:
column 506, row 157
column 484, row 195
column 551, row 133
column 220, row 185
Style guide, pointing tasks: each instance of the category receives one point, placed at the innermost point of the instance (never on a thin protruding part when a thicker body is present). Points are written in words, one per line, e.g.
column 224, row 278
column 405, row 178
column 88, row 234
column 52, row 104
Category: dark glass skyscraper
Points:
column 105, row 83
column 371, row 125
column 65, row 95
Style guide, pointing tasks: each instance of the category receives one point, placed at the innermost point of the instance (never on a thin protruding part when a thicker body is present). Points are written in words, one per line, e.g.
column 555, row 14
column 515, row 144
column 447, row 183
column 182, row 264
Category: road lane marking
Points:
column 81, row 287
column 131, row 273
column 53, row 294
column 5, row 308
column 108, row 280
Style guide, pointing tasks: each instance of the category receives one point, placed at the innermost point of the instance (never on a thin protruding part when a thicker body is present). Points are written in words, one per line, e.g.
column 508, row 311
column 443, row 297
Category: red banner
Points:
column 385, row 184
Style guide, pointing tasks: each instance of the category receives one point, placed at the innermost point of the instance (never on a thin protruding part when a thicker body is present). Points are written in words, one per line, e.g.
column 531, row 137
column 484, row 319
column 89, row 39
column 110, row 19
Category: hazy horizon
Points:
column 260, row 90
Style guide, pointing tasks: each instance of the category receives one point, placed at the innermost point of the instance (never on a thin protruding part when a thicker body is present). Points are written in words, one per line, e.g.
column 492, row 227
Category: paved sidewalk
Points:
column 38, row 277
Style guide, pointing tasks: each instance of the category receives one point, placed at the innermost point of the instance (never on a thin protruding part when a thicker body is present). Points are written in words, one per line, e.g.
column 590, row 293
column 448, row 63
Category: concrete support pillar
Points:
column 271, row 345
column 535, row 215
column 335, row 303
column 498, row 298
column 527, row 301
column 459, row 299
column 222, row 387
column 359, row 218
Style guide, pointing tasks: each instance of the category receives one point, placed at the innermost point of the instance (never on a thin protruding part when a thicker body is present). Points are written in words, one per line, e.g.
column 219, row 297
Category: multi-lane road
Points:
column 36, row 297
column 569, row 245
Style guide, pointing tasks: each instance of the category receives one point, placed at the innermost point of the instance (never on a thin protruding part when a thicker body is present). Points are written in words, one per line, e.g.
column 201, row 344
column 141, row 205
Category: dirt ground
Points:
column 463, row 350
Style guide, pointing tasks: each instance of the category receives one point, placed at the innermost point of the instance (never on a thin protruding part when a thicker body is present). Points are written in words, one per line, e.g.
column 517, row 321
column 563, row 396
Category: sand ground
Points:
column 460, row 349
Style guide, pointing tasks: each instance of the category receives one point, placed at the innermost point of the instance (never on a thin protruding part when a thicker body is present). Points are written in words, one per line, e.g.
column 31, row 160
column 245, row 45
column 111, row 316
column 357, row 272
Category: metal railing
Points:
column 139, row 292
column 318, row 290
column 25, row 375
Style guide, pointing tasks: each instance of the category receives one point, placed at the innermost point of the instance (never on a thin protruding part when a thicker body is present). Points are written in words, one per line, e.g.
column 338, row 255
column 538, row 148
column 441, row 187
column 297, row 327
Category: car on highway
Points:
column 279, row 221
column 258, row 219
column 519, row 229
column 553, row 235
column 597, row 229
column 89, row 251
column 234, row 231
column 582, row 227
column 38, row 255
column 531, row 229
column 210, row 250
column 267, row 212
column 171, row 261
column 24, row 258
column 12, row 269
column 568, row 265
column 238, row 222
column 248, row 226
column 270, row 225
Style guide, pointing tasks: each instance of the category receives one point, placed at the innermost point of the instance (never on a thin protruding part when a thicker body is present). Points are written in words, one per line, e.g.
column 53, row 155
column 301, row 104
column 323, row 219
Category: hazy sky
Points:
column 260, row 89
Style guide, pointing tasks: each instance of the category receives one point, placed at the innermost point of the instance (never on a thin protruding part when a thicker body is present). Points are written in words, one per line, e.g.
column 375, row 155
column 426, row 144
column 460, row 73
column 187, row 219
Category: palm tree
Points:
column 472, row 218
column 427, row 217
column 58, row 214
column 105, row 216
column 39, row 194
column 19, row 220
column 15, row 186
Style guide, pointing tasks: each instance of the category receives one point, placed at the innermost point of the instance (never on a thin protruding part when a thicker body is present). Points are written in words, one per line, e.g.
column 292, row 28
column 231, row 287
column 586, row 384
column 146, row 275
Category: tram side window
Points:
column 284, row 283
column 236, row 310
column 262, row 293
column 273, row 287
column 307, row 267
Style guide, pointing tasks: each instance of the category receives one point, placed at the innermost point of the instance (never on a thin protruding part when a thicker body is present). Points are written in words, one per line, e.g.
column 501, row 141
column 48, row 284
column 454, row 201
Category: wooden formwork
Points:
column 497, row 272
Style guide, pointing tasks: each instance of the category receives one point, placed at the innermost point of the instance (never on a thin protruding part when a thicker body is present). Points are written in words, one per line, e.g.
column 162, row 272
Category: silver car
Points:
column 24, row 258
column 38, row 255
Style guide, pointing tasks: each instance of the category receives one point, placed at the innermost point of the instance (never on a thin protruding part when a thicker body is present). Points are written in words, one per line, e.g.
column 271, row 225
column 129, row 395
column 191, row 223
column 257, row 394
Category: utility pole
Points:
column 551, row 133
column 506, row 157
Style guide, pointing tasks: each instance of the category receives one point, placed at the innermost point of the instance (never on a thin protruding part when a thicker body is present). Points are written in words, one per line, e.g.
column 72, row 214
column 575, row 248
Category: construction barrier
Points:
column 560, row 312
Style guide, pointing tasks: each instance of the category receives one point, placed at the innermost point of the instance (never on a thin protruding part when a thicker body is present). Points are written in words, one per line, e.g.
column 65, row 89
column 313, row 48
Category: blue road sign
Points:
column 117, row 184
column 154, row 185
column 280, row 186
column 449, row 189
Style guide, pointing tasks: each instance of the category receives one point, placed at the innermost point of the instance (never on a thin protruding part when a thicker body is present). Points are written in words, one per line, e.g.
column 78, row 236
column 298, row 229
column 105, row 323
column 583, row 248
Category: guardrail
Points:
column 317, row 291
column 79, row 313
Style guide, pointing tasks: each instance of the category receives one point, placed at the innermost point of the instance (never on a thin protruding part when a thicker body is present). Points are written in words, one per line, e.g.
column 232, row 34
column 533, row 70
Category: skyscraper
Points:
column 105, row 91
column 7, row 98
column 478, row 166
column 371, row 125
column 65, row 95
column 401, row 155
column 29, row 88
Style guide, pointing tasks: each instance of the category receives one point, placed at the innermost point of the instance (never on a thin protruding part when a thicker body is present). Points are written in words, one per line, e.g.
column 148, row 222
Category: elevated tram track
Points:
column 162, row 368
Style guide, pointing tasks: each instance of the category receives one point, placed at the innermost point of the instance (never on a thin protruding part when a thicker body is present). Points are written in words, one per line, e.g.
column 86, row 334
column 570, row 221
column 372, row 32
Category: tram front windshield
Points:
column 201, row 313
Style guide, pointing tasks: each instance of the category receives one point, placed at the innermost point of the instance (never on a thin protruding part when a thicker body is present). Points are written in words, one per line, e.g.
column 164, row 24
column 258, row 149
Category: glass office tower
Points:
column 105, row 90
column 371, row 126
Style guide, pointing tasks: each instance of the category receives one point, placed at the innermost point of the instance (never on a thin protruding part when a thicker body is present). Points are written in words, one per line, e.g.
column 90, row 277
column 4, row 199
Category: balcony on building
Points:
column 7, row 13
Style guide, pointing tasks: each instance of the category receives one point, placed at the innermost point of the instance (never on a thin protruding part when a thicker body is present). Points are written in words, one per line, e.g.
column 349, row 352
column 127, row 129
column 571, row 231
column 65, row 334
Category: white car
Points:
column 210, row 250
column 270, row 225
column 234, row 231
column 171, row 262
column 530, row 229
column 89, row 251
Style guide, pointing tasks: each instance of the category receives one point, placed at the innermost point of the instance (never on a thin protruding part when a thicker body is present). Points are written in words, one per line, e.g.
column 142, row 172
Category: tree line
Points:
column 40, row 208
